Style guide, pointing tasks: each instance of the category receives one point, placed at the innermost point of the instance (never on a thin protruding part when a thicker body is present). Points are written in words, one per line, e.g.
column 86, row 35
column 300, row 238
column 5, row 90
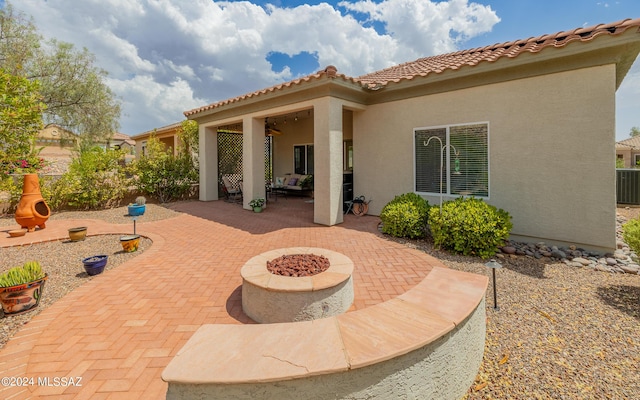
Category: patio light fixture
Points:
column 493, row 264
column 456, row 163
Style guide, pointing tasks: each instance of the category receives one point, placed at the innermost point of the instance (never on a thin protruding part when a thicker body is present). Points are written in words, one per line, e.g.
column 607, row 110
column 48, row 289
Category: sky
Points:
column 167, row 56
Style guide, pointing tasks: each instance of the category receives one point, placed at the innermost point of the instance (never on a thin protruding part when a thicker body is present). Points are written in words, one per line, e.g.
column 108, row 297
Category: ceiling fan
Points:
column 270, row 131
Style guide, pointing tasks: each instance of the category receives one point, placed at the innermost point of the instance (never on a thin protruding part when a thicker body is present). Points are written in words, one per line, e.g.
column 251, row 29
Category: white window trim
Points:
column 447, row 194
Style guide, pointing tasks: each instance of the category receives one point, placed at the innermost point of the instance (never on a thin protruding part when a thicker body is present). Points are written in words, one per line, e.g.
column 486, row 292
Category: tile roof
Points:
column 632, row 142
column 330, row 72
column 473, row 57
column 451, row 61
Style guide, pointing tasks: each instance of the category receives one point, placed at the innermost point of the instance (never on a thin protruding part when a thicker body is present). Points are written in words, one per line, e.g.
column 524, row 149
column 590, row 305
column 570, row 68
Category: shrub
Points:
column 470, row 227
column 631, row 234
column 95, row 179
column 163, row 175
column 405, row 216
column 10, row 193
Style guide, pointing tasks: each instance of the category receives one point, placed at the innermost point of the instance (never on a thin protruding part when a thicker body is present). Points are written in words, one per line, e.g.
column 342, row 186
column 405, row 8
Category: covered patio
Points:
column 312, row 135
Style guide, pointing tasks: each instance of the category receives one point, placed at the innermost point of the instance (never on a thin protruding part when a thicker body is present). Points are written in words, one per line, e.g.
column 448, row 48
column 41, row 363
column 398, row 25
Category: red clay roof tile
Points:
column 472, row 57
column 451, row 61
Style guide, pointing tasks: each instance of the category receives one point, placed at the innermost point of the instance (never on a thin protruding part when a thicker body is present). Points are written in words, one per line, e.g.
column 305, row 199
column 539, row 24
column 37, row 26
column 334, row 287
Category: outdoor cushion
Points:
column 292, row 182
column 280, row 181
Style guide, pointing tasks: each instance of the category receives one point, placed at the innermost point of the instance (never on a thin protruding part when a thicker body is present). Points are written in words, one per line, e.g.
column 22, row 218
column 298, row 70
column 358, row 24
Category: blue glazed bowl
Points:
column 136, row 210
column 94, row 265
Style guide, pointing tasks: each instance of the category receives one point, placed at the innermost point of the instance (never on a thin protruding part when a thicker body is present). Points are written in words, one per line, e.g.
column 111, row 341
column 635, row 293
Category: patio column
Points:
column 327, row 154
column 252, row 160
column 208, row 158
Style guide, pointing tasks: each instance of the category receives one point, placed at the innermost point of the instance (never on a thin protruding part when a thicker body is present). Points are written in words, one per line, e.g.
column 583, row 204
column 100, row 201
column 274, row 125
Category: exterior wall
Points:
column 296, row 133
column 167, row 138
column 551, row 150
column 293, row 133
column 629, row 156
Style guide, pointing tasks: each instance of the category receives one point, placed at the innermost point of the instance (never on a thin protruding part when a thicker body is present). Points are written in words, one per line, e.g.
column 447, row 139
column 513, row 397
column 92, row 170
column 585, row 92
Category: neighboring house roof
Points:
column 632, row 143
column 121, row 137
column 452, row 61
column 167, row 128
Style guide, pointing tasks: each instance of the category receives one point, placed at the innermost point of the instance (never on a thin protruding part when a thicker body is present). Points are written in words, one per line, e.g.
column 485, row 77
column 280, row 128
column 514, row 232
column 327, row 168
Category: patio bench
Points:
column 426, row 343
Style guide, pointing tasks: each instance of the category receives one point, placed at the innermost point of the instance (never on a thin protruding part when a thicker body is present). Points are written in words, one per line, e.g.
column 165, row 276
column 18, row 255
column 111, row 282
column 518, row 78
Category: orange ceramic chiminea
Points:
column 32, row 210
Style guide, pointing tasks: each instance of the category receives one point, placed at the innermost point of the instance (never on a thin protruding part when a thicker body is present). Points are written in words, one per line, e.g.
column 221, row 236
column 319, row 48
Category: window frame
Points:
column 446, row 177
column 309, row 148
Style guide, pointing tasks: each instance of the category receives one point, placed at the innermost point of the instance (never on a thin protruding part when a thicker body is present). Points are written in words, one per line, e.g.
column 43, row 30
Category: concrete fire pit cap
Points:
column 255, row 271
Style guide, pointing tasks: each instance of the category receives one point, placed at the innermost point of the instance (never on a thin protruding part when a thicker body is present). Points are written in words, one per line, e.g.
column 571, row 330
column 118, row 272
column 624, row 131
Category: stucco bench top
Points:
column 226, row 354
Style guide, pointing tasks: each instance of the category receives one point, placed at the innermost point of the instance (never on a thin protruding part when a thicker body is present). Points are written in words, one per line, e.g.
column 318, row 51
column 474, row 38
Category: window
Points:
column 465, row 165
column 347, row 155
column 303, row 159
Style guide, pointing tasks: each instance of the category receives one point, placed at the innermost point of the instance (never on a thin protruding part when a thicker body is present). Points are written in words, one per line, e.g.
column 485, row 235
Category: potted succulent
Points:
column 95, row 265
column 257, row 204
column 137, row 208
column 21, row 288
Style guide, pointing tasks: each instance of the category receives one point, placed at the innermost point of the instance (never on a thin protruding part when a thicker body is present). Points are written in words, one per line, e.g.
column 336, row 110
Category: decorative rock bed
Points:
column 270, row 298
column 623, row 260
column 427, row 343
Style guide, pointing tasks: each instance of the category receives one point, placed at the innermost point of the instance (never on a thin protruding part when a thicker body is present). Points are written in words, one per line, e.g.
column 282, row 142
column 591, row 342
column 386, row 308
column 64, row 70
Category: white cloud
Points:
column 146, row 100
column 167, row 56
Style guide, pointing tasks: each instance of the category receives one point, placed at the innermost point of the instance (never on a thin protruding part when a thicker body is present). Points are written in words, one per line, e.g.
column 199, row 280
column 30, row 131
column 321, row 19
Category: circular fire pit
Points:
column 269, row 298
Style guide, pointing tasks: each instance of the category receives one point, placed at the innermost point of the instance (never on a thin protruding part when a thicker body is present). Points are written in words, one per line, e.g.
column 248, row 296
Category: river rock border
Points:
column 623, row 260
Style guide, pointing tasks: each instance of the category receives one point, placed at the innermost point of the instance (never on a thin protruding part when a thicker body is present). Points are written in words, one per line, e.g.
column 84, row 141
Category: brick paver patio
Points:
column 120, row 330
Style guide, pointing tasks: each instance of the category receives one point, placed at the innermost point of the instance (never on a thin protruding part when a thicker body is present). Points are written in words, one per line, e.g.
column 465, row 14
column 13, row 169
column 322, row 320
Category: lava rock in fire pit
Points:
column 298, row 265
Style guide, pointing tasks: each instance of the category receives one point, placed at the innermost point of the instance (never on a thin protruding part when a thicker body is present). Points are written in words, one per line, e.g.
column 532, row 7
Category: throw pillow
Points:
column 280, row 181
column 292, row 181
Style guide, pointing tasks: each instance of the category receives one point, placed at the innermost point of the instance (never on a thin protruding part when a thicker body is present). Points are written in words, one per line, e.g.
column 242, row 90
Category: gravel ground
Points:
column 560, row 332
column 63, row 258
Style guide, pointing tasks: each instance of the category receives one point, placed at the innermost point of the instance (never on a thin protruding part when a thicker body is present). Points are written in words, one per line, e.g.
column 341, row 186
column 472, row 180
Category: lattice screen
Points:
column 230, row 157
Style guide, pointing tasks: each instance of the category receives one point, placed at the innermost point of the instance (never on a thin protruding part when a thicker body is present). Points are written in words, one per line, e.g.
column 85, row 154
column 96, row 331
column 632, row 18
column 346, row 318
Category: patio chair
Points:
column 232, row 191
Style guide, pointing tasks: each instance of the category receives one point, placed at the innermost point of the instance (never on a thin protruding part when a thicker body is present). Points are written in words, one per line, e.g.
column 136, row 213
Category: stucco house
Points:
column 628, row 151
column 527, row 125
column 167, row 135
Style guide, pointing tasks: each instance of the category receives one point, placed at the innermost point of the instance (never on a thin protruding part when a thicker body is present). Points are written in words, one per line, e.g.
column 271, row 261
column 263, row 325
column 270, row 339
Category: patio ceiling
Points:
column 274, row 121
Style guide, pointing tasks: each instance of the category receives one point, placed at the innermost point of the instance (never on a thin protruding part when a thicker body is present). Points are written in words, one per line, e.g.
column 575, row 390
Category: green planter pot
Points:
column 257, row 209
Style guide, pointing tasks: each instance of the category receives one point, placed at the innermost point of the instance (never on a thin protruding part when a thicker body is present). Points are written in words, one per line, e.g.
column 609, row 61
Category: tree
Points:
column 161, row 174
column 20, row 120
column 635, row 131
column 72, row 86
column 19, row 41
column 188, row 135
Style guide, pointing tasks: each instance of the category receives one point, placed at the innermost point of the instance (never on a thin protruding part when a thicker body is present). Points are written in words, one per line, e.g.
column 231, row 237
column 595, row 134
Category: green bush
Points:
column 163, row 175
column 470, row 227
column 405, row 216
column 95, row 179
column 631, row 234
column 10, row 193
